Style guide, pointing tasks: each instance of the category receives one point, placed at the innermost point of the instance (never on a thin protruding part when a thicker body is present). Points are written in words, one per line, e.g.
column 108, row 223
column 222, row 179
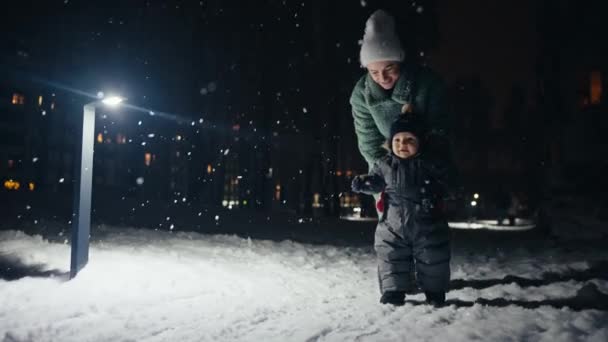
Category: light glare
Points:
column 112, row 100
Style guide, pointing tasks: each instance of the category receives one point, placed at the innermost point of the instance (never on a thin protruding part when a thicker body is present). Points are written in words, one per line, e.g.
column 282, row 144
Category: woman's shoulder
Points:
column 359, row 88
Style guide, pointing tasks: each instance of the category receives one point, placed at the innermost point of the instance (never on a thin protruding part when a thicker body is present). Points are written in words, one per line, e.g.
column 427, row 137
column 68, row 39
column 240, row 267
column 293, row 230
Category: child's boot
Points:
column 396, row 298
column 436, row 299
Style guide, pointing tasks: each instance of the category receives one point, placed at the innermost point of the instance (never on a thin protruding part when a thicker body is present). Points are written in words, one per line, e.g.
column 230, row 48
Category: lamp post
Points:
column 81, row 222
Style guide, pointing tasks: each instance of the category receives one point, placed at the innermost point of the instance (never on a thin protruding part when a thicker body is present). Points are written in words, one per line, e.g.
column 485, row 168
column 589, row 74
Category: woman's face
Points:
column 385, row 73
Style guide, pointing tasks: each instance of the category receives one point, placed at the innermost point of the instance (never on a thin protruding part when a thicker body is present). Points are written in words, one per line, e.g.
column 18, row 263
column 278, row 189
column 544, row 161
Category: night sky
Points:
column 162, row 53
column 289, row 66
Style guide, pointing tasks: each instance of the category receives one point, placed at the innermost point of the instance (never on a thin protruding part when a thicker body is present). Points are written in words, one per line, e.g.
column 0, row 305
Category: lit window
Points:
column 338, row 173
column 18, row 99
column 349, row 173
column 11, row 185
column 316, row 200
column 32, row 186
column 100, row 138
column 596, row 87
column 148, row 158
column 121, row 139
column 277, row 193
column 209, row 169
column 40, row 100
column 52, row 105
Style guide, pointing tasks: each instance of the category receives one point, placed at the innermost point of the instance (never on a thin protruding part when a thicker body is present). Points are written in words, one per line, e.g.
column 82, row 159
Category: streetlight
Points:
column 81, row 222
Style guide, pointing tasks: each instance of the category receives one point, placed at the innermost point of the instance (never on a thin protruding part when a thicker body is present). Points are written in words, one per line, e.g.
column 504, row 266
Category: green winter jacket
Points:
column 375, row 109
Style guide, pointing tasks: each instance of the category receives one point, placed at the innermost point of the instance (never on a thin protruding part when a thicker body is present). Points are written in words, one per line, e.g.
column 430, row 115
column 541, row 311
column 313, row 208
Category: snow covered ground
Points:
column 146, row 285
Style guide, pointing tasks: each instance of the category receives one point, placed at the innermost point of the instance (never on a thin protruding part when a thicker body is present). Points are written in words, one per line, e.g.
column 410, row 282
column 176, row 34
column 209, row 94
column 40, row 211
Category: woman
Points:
column 391, row 87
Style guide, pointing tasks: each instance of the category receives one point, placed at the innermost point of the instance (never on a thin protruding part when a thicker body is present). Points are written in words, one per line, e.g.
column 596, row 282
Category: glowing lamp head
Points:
column 112, row 100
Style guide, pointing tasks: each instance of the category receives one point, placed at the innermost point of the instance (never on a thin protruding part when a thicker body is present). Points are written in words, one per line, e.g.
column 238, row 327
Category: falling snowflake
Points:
column 139, row 180
column 61, row 180
column 35, row 159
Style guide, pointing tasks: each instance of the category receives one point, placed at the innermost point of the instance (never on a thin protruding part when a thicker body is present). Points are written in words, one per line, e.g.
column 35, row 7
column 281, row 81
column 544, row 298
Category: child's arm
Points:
column 371, row 183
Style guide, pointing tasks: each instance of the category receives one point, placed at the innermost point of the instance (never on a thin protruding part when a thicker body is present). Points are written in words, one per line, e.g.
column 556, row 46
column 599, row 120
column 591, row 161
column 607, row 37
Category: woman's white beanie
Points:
column 380, row 41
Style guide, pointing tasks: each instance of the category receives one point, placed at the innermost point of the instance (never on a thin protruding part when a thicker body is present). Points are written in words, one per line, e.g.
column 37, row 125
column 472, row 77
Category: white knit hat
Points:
column 380, row 41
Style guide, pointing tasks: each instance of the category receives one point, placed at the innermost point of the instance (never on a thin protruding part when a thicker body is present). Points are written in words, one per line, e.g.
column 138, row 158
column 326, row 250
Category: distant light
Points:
column 11, row 185
column 476, row 196
column 473, row 203
column 112, row 100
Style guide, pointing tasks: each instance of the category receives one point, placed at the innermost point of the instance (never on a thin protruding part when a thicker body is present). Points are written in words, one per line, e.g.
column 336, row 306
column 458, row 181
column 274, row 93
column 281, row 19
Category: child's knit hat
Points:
column 409, row 122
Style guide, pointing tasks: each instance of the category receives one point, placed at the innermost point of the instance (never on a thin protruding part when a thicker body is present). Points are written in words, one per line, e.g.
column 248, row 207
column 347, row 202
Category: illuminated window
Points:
column 595, row 90
column 100, row 138
column 349, row 173
column 316, row 200
column 121, row 139
column 18, row 99
column 338, row 173
column 148, row 158
column 11, row 185
column 277, row 192
column 31, row 186
column 52, row 105
column 209, row 169
column 40, row 100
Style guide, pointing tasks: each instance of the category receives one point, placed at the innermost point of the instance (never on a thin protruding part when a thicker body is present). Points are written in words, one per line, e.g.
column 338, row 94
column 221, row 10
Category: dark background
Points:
column 270, row 81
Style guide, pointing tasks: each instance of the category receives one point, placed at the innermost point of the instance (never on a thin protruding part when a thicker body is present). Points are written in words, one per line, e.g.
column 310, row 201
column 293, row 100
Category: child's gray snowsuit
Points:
column 413, row 225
